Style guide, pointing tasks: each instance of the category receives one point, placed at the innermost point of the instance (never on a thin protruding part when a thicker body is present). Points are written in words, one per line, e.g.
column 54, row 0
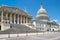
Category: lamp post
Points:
column 9, row 32
column 26, row 33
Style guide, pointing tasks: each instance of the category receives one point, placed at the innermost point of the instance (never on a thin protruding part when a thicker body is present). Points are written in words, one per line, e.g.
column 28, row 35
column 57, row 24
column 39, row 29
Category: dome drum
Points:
column 42, row 18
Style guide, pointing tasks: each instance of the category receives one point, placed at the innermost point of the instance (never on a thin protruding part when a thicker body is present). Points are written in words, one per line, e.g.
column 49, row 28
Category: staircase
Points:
column 18, row 28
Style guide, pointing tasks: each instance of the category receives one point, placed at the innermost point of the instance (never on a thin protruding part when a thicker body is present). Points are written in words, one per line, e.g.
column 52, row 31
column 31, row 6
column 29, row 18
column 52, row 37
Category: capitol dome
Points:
column 42, row 15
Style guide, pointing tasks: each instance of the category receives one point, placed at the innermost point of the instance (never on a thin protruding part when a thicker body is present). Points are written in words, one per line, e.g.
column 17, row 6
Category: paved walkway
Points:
column 43, row 36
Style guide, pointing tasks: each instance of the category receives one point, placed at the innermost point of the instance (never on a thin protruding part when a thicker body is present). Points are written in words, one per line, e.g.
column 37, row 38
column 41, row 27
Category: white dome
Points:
column 41, row 10
column 42, row 14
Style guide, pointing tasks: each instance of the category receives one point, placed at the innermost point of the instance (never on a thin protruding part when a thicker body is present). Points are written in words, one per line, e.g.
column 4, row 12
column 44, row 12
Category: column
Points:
column 2, row 25
column 29, row 20
column 10, row 18
column 2, row 16
column 44, row 27
column 24, row 19
column 14, row 18
column 7, row 17
column 18, row 19
column 21, row 19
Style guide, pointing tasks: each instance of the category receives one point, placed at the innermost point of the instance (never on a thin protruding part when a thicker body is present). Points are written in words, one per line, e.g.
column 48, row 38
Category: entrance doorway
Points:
column 53, row 29
column 0, row 27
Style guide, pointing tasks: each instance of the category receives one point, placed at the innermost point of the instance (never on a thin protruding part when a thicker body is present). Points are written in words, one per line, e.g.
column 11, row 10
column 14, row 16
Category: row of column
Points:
column 16, row 18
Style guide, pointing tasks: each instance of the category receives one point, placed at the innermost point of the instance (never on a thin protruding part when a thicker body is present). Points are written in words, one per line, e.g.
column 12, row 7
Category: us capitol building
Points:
column 14, row 17
column 43, row 23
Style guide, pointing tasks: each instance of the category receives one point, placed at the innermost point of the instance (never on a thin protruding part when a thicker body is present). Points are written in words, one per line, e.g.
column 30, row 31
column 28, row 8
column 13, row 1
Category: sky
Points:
column 32, row 6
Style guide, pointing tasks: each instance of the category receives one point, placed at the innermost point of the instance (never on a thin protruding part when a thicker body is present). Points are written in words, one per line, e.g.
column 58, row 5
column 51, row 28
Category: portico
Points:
column 14, row 17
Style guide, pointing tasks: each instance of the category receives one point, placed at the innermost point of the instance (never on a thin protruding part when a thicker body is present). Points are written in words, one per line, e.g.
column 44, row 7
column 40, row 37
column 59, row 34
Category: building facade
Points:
column 12, row 15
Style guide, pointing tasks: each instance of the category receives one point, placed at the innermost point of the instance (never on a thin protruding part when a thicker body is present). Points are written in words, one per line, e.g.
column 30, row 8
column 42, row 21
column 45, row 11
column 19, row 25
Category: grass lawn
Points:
column 57, row 31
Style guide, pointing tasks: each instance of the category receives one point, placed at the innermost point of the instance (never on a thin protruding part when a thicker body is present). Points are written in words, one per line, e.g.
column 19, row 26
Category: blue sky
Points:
column 32, row 6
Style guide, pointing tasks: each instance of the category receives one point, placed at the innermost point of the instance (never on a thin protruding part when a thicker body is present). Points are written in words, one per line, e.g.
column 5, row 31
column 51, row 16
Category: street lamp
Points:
column 9, row 32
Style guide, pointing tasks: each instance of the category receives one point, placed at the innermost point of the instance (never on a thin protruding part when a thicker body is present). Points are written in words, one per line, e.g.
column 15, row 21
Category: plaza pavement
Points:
column 37, row 36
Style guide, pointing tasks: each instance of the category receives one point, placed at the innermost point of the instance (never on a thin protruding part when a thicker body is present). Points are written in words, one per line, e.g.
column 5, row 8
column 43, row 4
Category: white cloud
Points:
column 54, row 20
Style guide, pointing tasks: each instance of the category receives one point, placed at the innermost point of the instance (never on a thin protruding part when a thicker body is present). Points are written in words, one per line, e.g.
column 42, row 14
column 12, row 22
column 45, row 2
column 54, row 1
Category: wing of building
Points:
column 11, row 15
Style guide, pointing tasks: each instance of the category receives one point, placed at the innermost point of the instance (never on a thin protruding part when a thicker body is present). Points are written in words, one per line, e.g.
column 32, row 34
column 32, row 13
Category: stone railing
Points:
column 17, row 35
